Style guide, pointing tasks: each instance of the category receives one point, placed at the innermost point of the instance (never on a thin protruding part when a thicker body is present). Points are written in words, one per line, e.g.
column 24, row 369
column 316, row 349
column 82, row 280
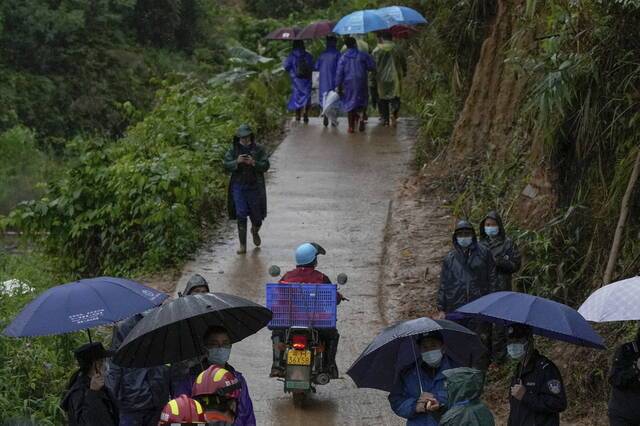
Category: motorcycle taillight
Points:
column 299, row 342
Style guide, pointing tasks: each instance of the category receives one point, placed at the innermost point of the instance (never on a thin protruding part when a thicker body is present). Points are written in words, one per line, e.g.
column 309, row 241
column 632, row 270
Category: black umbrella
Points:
column 175, row 331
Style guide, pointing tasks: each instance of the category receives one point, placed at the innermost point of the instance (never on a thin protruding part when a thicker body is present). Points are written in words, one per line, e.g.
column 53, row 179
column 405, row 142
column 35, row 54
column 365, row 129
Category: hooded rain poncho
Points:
column 391, row 67
column 464, row 388
column 327, row 66
column 353, row 68
column 300, row 87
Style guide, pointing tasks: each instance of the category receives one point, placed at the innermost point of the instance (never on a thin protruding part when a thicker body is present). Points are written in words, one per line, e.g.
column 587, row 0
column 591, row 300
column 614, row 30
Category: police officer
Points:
column 537, row 395
column 625, row 381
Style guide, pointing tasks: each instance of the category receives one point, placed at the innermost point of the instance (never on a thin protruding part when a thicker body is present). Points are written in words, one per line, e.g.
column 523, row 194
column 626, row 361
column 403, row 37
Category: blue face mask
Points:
column 492, row 231
column 432, row 358
column 464, row 242
column 516, row 350
column 219, row 356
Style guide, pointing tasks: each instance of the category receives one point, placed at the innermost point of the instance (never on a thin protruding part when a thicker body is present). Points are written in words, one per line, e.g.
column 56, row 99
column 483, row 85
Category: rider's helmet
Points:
column 307, row 253
column 218, row 389
column 182, row 410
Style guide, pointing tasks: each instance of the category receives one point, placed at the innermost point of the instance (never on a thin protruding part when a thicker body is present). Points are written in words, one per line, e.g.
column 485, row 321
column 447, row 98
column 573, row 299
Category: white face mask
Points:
column 492, row 231
column 432, row 358
column 218, row 356
column 464, row 242
column 516, row 350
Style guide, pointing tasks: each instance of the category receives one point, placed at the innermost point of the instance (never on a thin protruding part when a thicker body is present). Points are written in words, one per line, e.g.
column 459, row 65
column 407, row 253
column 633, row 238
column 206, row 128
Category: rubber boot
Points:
column 352, row 124
column 242, row 236
column 332, row 351
column 256, row 236
column 362, row 124
column 276, row 366
column 298, row 113
column 325, row 121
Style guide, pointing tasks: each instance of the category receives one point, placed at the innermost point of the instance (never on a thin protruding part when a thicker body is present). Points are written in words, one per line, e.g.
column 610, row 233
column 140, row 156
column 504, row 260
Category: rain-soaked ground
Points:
column 332, row 188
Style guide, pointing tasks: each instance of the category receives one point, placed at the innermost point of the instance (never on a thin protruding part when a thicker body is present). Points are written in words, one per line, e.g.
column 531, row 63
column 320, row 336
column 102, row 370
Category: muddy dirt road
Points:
column 332, row 188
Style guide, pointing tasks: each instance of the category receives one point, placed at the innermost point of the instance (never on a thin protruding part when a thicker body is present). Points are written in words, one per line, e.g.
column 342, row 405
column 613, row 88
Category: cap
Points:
column 91, row 352
column 519, row 331
column 243, row 131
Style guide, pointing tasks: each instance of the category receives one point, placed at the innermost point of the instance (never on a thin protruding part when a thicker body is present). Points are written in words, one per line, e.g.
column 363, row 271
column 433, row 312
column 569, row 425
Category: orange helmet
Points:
column 182, row 410
column 218, row 389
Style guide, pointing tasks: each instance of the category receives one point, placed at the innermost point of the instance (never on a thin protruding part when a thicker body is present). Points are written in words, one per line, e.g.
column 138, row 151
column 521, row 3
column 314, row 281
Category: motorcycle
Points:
column 302, row 314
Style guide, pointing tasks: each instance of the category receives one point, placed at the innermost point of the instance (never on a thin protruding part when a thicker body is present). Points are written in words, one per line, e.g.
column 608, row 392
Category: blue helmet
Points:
column 306, row 253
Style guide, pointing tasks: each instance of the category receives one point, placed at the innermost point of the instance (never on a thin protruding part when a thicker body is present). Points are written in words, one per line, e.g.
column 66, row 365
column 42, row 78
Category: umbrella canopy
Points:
column 546, row 317
column 619, row 301
column 175, row 331
column 395, row 349
column 363, row 21
column 286, row 33
column 402, row 15
column 318, row 29
column 81, row 305
column 403, row 31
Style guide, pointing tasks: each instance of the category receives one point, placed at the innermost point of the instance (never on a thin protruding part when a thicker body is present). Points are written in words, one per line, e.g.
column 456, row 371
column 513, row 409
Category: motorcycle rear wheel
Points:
column 299, row 398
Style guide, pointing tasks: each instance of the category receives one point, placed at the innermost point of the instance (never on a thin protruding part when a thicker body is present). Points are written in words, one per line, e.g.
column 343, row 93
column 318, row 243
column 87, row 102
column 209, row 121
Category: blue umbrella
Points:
column 81, row 305
column 395, row 349
column 402, row 15
column 363, row 21
column 546, row 317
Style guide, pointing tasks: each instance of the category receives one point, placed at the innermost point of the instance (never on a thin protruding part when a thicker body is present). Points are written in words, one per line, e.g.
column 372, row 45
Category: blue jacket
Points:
column 327, row 66
column 404, row 397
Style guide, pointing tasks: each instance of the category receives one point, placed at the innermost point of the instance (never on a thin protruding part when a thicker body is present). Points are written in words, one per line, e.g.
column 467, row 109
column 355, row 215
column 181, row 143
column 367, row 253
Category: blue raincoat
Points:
column 353, row 68
column 300, row 87
column 404, row 396
column 327, row 66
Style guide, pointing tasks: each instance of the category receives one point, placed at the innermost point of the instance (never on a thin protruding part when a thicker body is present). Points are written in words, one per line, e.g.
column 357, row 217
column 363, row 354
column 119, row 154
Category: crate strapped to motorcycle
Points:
column 302, row 305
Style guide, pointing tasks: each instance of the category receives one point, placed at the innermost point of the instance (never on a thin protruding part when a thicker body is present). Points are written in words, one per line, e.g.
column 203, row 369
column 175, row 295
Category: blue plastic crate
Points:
column 302, row 305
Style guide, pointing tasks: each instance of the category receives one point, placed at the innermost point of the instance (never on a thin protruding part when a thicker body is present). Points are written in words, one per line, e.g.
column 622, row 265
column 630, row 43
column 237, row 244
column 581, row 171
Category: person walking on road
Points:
column 537, row 394
column 247, row 198
column 464, row 389
column 327, row 66
column 624, row 403
column 507, row 259
column 299, row 65
column 391, row 67
column 87, row 401
column 352, row 83
column 419, row 395
column 468, row 273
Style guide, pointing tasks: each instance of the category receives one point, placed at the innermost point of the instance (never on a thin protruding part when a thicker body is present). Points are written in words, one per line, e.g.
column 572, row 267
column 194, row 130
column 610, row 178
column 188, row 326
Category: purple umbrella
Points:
column 286, row 33
column 318, row 29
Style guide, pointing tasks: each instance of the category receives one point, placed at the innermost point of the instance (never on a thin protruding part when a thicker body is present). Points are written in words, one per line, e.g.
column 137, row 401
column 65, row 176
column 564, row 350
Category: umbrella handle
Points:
column 89, row 334
column 415, row 357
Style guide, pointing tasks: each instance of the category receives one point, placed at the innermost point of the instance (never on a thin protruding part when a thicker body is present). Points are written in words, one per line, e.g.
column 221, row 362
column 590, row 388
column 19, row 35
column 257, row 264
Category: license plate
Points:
column 295, row 357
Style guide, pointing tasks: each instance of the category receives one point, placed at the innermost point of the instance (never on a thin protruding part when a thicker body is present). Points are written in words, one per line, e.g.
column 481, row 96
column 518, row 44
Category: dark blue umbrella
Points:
column 395, row 349
column 81, row 305
column 546, row 317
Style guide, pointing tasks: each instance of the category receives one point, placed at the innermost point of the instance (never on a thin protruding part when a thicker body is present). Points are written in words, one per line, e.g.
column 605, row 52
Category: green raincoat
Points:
column 391, row 67
column 464, row 387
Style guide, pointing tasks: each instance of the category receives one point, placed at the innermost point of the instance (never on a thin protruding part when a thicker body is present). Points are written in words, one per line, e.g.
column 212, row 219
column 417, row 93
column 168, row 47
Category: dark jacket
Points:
column 464, row 388
column 86, row 407
column 137, row 389
column 466, row 275
column 505, row 253
column 253, row 176
column 625, row 382
column 545, row 398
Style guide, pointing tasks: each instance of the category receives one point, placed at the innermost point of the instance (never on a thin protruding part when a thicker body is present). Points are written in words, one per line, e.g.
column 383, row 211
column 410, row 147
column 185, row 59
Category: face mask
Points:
column 492, row 231
column 432, row 358
column 464, row 241
column 516, row 350
column 219, row 356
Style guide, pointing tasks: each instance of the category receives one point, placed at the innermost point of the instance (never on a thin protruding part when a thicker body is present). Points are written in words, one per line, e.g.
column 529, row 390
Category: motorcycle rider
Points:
column 183, row 411
column 306, row 256
column 218, row 389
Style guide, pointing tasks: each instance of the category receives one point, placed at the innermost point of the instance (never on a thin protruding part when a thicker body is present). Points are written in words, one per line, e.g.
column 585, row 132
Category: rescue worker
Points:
column 299, row 65
column 87, row 401
column 182, row 410
column 353, row 84
column 391, row 67
column 306, row 256
column 464, row 389
column 624, row 403
column 507, row 259
column 247, row 195
column 219, row 391
column 537, row 394
column 468, row 273
column 419, row 395
column 327, row 67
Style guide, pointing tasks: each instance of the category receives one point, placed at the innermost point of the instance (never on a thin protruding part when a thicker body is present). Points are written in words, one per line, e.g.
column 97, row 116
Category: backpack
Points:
column 303, row 69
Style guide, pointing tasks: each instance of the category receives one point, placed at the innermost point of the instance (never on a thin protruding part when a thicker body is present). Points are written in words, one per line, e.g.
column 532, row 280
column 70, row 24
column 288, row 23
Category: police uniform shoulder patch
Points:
column 555, row 387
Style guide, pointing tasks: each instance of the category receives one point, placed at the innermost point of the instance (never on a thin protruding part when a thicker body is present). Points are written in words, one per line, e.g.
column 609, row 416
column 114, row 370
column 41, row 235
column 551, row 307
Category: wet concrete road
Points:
column 335, row 189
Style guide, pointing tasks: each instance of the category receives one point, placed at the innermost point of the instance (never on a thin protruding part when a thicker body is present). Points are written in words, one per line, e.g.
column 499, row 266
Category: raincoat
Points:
column 505, row 253
column 353, row 68
column 391, row 67
column 86, row 407
column 464, row 388
column 300, row 87
column 252, row 176
column 327, row 66
column 406, row 392
column 625, row 384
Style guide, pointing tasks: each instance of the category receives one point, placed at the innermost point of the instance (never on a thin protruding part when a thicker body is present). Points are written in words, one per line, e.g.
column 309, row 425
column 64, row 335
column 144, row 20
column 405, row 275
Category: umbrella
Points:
column 395, row 349
column 175, row 331
column 619, row 301
column 81, row 305
column 402, row 15
column 544, row 316
column 402, row 31
column 316, row 30
column 286, row 33
column 363, row 21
